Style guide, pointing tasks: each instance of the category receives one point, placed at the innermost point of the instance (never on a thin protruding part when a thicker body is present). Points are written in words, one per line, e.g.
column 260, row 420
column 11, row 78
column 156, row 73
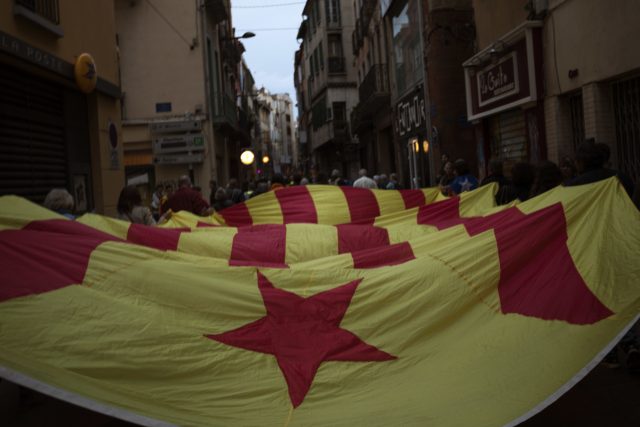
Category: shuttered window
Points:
column 508, row 137
column 33, row 153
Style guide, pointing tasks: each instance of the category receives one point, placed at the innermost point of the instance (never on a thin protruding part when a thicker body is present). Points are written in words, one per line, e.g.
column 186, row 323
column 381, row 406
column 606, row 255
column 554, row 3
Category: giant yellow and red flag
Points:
column 491, row 318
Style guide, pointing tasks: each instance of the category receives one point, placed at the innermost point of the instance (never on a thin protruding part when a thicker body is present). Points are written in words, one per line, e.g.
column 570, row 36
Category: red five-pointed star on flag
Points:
column 302, row 333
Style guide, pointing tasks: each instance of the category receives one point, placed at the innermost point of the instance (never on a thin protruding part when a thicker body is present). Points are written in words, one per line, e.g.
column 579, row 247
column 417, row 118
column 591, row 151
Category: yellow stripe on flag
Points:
column 331, row 204
column 306, row 242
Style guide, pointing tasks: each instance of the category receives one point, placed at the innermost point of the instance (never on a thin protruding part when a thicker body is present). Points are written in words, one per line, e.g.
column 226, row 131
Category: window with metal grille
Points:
column 577, row 119
column 626, row 105
column 47, row 9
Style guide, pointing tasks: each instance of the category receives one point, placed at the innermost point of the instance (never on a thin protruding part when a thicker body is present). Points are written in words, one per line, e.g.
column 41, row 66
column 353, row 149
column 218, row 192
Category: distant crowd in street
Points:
column 524, row 181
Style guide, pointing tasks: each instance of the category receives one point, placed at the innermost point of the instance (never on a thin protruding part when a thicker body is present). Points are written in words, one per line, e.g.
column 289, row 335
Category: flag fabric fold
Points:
column 494, row 310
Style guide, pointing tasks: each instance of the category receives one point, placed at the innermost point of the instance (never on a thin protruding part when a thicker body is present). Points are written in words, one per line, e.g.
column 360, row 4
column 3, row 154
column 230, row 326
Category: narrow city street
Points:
column 319, row 213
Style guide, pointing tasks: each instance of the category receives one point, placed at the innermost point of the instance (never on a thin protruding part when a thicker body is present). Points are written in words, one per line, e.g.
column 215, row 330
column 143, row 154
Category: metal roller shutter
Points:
column 509, row 137
column 32, row 135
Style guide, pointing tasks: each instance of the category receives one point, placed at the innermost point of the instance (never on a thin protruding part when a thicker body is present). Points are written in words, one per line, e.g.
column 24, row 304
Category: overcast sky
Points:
column 269, row 54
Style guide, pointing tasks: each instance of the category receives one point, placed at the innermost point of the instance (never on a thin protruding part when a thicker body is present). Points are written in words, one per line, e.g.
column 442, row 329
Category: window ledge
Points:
column 39, row 20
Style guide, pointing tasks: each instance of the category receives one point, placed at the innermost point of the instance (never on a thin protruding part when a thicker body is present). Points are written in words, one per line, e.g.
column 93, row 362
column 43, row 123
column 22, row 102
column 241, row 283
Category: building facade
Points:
column 331, row 88
column 187, row 106
column 56, row 130
column 582, row 59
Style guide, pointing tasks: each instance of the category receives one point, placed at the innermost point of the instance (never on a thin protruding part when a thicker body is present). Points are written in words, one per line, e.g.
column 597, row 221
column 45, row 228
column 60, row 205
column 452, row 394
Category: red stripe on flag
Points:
column 297, row 205
column 164, row 239
column 412, row 198
column 538, row 277
column 537, row 274
column 442, row 214
column 237, row 215
column 353, row 238
column 260, row 246
column 45, row 256
column 363, row 205
column 383, row 256
column 201, row 224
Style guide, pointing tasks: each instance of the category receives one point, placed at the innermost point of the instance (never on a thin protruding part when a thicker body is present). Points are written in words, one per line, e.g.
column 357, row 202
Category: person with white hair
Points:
column 61, row 201
column 364, row 181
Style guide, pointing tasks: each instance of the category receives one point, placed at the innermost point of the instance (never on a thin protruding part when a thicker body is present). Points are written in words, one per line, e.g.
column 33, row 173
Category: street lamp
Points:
column 265, row 159
column 246, row 35
column 247, row 157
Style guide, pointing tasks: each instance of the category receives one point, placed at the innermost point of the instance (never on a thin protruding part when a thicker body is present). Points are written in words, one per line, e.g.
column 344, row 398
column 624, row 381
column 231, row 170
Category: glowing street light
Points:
column 247, row 157
column 265, row 159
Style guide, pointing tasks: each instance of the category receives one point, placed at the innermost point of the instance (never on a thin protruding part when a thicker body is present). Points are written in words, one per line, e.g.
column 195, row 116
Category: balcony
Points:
column 340, row 131
column 337, row 65
column 375, row 83
column 217, row 10
column 366, row 13
column 225, row 112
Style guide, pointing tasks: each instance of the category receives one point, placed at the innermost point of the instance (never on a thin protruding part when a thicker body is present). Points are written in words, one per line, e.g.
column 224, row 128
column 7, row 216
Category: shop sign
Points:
column 85, row 73
column 411, row 114
column 34, row 55
column 178, row 159
column 178, row 143
column 506, row 74
column 175, row 126
column 498, row 81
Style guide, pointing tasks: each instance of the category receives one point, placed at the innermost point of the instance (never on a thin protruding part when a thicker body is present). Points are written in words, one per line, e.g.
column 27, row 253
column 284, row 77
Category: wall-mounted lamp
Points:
column 265, row 159
column 425, row 146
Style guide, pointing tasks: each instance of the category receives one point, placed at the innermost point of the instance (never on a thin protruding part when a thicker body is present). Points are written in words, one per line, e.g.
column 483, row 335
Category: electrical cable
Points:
column 175, row 30
column 267, row 5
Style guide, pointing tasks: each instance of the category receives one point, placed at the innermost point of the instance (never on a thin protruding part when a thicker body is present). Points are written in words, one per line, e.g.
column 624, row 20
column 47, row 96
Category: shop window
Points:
column 626, row 105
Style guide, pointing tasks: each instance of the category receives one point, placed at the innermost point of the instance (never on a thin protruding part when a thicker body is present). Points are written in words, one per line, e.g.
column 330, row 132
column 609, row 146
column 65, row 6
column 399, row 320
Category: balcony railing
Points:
column 341, row 130
column 375, row 83
column 366, row 12
column 336, row 65
column 48, row 9
column 225, row 111
column 218, row 10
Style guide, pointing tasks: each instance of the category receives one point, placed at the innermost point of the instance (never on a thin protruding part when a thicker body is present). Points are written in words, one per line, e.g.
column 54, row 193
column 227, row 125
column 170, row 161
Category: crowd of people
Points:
column 523, row 182
column 591, row 164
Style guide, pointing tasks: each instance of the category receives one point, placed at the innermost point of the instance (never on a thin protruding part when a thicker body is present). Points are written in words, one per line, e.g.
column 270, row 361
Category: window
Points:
column 45, row 13
column 406, row 46
column 319, row 113
column 577, row 119
column 626, row 105
column 335, row 45
column 332, row 9
column 321, row 56
column 317, row 61
column 288, row 118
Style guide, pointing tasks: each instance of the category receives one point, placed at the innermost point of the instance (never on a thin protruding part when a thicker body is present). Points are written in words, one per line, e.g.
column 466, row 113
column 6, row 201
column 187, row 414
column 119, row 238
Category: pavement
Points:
column 608, row 396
